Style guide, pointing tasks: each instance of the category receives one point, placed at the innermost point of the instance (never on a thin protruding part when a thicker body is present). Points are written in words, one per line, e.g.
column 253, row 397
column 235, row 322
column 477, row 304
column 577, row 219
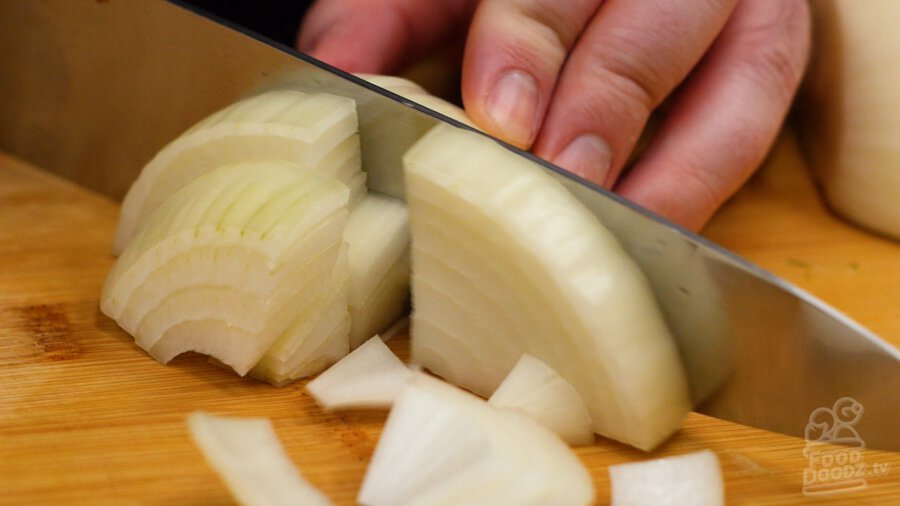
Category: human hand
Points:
column 576, row 81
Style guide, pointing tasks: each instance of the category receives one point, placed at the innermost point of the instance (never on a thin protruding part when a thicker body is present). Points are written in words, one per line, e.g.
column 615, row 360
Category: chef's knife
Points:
column 90, row 89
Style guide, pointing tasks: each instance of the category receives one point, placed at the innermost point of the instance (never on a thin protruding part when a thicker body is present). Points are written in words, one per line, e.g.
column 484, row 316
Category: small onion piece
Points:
column 313, row 131
column 535, row 389
column 369, row 377
column 248, row 456
column 506, row 261
column 694, row 478
column 442, row 445
column 227, row 264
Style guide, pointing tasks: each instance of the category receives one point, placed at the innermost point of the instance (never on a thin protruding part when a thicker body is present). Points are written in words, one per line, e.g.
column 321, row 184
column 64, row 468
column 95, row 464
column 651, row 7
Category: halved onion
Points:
column 377, row 232
column 369, row 377
column 442, row 445
column 314, row 131
column 229, row 262
column 248, row 456
column 849, row 117
column 535, row 389
column 694, row 478
column 506, row 261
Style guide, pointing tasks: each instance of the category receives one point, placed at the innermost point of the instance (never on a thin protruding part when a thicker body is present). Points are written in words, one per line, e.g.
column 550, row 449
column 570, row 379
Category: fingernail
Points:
column 512, row 105
column 588, row 156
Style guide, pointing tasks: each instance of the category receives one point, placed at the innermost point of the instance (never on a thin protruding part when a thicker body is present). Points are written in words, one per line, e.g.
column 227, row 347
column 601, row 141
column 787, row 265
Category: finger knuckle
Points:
column 616, row 86
column 707, row 189
column 776, row 46
column 635, row 81
column 631, row 74
column 555, row 18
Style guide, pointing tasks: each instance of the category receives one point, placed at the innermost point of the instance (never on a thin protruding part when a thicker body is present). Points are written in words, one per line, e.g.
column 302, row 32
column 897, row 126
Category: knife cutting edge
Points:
column 90, row 90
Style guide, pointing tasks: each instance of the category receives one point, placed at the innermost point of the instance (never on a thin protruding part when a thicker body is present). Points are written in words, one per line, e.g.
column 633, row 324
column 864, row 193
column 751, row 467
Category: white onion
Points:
column 442, row 445
column 506, row 262
column 314, row 131
column 694, row 479
column 248, row 456
column 225, row 266
column 850, row 113
column 535, row 389
column 369, row 377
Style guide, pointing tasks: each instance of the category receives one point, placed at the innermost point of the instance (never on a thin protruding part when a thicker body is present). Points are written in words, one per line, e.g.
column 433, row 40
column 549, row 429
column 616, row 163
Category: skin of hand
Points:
column 576, row 81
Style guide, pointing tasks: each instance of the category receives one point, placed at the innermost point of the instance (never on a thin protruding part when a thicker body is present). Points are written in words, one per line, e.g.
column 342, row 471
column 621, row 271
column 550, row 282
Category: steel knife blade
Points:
column 91, row 89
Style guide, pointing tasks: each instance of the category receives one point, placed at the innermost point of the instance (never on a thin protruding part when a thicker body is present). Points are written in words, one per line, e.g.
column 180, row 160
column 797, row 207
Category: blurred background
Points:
column 276, row 19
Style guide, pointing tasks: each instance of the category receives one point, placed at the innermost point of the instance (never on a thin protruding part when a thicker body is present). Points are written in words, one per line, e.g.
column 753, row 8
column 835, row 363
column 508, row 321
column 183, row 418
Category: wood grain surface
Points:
column 87, row 418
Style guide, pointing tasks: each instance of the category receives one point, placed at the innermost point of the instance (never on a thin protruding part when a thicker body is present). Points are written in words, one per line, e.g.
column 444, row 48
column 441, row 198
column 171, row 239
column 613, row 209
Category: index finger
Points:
column 631, row 56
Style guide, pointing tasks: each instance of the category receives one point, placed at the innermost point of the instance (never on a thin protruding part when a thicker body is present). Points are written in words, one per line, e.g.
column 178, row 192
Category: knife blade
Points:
column 91, row 90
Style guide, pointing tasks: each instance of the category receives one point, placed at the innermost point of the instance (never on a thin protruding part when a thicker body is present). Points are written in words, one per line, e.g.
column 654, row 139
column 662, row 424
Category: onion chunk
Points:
column 694, row 478
column 538, row 391
column 369, row 377
column 248, row 456
column 442, row 445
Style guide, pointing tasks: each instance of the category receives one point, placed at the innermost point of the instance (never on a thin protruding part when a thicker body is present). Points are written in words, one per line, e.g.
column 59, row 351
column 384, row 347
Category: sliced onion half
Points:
column 248, row 456
column 442, row 445
column 506, row 261
column 229, row 262
column 535, row 389
column 694, row 478
column 314, row 131
column 371, row 376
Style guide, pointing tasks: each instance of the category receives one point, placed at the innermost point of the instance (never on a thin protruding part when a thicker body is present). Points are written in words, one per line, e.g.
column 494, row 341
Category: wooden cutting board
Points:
column 87, row 417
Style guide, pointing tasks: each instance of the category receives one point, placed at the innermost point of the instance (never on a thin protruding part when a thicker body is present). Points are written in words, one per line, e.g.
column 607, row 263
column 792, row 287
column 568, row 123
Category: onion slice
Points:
column 538, row 391
column 227, row 264
column 369, row 377
column 442, row 445
column 694, row 478
column 506, row 261
column 314, row 131
column 377, row 233
column 248, row 456
column 317, row 338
